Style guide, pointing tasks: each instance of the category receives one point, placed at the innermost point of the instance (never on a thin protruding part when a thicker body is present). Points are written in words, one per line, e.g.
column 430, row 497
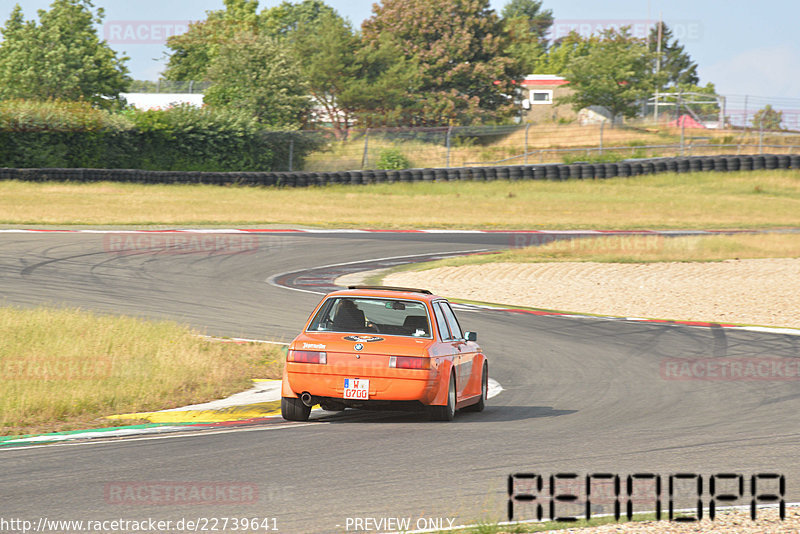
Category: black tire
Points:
column 481, row 404
column 677, row 165
column 448, row 411
column 294, row 409
column 599, row 171
column 528, row 172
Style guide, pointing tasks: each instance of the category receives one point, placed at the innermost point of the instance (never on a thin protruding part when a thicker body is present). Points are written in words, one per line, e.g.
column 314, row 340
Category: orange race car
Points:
column 384, row 347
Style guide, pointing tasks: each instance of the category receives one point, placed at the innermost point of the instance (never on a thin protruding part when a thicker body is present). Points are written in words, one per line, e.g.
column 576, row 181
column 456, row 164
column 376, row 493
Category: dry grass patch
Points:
column 698, row 200
column 637, row 249
column 62, row 369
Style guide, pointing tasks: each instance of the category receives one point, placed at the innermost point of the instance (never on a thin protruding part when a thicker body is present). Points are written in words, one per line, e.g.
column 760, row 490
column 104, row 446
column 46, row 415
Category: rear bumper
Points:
column 390, row 385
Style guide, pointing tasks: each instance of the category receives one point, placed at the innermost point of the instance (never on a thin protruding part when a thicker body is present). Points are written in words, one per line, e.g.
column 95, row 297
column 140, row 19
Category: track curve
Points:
column 580, row 395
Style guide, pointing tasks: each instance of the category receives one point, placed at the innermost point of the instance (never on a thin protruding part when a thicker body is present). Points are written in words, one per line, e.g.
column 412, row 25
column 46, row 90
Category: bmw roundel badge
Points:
column 359, row 346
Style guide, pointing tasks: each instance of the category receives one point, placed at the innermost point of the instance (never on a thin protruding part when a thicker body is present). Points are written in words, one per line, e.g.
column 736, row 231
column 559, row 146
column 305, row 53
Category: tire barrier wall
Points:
column 550, row 171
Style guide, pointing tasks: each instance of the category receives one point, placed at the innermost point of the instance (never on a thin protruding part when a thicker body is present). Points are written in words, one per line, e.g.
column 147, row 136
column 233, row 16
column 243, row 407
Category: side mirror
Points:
column 471, row 336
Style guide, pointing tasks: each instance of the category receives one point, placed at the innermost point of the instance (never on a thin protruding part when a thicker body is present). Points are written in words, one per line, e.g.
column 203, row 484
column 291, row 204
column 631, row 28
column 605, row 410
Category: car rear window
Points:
column 396, row 317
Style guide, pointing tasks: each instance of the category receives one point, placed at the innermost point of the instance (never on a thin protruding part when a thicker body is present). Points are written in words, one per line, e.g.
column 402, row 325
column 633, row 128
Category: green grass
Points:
column 62, row 369
column 701, row 200
column 629, row 249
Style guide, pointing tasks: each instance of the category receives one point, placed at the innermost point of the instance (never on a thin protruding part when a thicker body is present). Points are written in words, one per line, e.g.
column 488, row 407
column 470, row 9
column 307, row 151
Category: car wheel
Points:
column 481, row 404
column 448, row 411
column 294, row 409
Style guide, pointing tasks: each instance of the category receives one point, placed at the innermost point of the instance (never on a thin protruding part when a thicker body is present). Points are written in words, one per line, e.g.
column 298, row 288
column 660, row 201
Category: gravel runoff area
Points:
column 726, row 522
column 754, row 291
column 762, row 291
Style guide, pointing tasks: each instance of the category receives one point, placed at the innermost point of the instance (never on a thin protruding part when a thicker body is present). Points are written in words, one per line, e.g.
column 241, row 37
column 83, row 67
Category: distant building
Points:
column 146, row 101
column 540, row 93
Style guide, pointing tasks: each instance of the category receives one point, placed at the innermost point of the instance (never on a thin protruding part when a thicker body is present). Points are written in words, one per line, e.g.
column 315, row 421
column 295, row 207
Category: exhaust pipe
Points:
column 307, row 399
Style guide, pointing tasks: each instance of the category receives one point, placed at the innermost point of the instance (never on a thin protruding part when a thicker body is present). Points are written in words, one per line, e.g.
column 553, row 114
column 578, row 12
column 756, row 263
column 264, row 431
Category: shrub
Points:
column 391, row 159
column 181, row 138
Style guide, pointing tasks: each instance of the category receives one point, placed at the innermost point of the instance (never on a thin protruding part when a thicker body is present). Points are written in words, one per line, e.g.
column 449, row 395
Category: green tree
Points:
column 563, row 52
column 60, row 57
column 286, row 18
column 676, row 67
column 768, row 118
column 325, row 48
column 458, row 45
column 615, row 74
column 526, row 24
column 258, row 75
column 350, row 81
column 193, row 51
column 538, row 20
column 385, row 88
column 523, row 45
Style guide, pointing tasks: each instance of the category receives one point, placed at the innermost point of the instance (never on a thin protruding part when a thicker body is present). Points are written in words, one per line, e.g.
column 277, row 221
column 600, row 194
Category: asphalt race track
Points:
column 580, row 395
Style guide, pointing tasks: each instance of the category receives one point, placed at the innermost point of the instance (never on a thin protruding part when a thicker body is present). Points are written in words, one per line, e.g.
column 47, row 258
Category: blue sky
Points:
column 744, row 47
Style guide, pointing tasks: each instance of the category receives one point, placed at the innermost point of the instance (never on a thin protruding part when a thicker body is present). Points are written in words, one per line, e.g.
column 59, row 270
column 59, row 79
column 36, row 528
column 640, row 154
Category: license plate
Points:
column 356, row 388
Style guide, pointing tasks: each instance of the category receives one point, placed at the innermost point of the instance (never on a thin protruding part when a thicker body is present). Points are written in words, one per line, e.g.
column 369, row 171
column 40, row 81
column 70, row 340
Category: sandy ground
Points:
column 755, row 292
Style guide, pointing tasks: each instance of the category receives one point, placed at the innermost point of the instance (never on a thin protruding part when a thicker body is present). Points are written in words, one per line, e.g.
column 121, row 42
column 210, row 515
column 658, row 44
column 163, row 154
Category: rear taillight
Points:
column 409, row 362
column 307, row 356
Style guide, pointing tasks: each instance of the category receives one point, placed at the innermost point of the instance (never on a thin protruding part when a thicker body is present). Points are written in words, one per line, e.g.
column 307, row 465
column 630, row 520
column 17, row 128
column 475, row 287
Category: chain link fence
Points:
column 449, row 147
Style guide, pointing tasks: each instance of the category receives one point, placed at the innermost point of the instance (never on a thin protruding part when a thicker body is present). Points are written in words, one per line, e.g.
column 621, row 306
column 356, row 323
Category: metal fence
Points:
column 458, row 146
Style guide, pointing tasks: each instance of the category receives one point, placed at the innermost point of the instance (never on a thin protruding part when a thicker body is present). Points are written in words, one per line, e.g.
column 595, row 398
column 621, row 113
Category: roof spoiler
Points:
column 392, row 288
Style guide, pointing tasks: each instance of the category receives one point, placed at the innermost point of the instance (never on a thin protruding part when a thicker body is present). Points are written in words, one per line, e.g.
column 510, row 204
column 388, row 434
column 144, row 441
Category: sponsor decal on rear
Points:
column 320, row 346
column 363, row 339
